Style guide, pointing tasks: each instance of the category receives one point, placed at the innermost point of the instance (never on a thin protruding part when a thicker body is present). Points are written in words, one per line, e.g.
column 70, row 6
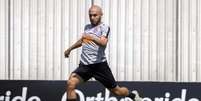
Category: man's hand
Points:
column 67, row 53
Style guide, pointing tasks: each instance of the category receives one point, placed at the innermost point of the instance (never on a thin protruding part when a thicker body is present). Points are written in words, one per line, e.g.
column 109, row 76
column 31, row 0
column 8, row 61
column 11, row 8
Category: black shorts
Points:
column 100, row 71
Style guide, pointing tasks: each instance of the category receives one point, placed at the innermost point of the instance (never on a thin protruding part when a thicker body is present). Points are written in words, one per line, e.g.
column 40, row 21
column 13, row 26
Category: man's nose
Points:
column 92, row 17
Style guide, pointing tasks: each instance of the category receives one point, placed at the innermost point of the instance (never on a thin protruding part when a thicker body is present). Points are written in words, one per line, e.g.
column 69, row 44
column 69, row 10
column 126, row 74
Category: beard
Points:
column 95, row 23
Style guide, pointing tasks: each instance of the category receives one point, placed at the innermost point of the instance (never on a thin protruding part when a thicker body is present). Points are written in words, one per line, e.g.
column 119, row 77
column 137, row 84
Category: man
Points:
column 93, row 61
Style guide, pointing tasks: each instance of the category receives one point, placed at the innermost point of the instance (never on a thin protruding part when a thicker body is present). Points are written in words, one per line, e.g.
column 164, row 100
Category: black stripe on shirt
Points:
column 108, row 32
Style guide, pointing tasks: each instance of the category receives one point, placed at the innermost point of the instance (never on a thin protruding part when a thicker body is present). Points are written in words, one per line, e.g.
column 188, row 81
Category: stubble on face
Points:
column 95, row 14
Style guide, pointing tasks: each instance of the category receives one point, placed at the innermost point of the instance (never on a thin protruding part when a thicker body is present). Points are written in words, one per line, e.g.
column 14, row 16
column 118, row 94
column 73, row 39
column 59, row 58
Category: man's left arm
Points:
column 102, row 41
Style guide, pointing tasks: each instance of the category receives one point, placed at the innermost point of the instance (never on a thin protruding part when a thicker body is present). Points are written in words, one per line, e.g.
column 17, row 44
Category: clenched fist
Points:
column 67, row 53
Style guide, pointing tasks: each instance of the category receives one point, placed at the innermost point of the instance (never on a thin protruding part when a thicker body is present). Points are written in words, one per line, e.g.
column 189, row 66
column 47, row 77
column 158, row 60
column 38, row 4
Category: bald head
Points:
column 95, row 14
column 96, row 8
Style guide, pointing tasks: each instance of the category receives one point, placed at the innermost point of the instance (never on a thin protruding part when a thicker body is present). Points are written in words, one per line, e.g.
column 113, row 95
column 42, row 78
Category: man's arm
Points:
column 74, row 46
column 102, row 41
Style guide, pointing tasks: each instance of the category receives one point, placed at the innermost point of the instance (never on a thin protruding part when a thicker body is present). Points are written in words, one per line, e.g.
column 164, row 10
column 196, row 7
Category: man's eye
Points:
column 93, row 15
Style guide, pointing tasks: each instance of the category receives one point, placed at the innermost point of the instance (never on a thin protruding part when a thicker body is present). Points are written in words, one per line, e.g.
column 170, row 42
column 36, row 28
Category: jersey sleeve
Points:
column 86, row 27
column 105, row 31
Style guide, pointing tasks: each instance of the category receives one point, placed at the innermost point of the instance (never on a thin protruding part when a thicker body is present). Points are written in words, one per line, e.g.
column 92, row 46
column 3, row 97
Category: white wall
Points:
column 4, row 39
column 189, row 40
column 151, row 40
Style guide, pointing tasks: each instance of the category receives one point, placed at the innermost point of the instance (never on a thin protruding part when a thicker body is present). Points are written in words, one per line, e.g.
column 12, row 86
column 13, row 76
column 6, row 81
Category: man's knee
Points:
column 72, row 82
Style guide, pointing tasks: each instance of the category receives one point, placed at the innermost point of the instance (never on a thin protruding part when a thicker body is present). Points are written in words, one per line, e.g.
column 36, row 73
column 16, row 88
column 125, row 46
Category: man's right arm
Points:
column 74, row 46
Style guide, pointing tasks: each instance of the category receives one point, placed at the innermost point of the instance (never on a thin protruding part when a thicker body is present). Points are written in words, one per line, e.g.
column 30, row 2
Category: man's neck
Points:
column 96, row 24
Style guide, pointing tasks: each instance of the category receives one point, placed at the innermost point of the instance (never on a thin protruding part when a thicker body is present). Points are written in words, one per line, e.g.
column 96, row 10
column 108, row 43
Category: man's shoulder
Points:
column 87, row 26
column 104, row 25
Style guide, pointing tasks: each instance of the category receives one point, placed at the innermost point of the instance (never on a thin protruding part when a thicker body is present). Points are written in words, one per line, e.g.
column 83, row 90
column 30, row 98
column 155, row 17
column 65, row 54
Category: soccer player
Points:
column 93, row 61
